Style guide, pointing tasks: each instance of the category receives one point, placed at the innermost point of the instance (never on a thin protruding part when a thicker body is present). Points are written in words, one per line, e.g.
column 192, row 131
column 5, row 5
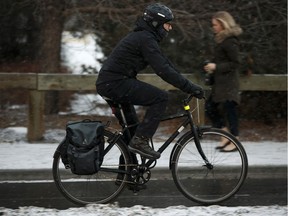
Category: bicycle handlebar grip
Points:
column 189, row 98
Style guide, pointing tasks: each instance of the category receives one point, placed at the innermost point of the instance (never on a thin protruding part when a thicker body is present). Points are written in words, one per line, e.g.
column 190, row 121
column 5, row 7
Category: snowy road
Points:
column 159, row 194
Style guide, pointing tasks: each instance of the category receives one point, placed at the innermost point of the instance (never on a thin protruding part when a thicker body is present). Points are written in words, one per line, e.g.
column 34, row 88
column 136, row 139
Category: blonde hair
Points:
column 225, row 19
column 231, row 28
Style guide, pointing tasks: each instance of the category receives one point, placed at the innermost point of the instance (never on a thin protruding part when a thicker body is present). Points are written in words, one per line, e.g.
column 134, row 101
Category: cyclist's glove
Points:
column 197, row 91
column 193, row 89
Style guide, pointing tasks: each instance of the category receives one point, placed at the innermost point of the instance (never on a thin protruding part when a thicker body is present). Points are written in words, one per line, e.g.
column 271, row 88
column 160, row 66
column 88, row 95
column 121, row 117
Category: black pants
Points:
column 129, row 92
column 130, row 116
column 220, row 113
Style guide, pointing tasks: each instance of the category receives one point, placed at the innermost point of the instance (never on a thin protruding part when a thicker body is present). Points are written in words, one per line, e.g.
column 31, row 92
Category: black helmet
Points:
column 157, row 14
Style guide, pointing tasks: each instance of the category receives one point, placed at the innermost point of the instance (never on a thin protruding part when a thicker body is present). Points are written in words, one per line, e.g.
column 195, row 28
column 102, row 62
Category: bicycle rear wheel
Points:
column 101, row 187
column 204, row 184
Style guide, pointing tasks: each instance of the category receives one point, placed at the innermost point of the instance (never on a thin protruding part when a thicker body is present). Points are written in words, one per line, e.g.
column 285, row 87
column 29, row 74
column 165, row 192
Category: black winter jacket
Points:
column 135, row 52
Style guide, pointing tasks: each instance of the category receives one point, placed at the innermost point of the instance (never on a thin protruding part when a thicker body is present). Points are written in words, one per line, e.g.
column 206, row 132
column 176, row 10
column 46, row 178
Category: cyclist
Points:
column 117, row 78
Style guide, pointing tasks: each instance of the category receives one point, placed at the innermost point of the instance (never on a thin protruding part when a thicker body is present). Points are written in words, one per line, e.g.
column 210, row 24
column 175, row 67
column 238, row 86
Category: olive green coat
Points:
column 226, row 76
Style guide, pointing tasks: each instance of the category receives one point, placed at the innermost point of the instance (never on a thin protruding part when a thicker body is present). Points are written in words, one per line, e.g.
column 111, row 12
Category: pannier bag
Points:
column 85, row 148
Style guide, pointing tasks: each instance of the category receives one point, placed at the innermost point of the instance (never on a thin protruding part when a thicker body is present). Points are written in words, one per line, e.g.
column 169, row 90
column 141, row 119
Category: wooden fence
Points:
column 39, row 83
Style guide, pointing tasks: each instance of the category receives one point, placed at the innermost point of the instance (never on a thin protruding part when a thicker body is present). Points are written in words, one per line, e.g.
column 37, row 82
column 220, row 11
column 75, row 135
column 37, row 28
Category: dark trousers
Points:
column 220, row 113
column 130, row 116
column 129, row 92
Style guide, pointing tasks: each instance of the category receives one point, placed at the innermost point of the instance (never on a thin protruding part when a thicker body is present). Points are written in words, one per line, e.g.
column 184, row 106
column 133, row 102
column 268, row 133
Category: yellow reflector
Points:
column 187, row 107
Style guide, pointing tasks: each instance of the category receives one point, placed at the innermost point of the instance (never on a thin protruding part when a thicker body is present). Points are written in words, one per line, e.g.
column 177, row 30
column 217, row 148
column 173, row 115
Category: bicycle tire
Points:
column 199, row 183
column 97, row 188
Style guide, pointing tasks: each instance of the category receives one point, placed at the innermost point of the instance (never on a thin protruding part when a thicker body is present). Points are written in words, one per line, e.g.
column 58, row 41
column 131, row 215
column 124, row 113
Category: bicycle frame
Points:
column 195, row 130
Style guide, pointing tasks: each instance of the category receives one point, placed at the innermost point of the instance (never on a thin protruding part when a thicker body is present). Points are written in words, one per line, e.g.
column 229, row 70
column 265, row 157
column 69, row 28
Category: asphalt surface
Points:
column 263, row 186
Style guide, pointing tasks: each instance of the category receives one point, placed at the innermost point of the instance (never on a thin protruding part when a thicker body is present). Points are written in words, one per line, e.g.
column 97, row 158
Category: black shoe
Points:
column 141, row 146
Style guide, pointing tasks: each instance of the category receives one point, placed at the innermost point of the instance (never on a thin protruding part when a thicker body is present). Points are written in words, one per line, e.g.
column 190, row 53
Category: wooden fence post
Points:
column 199, row 112
column 36, row 126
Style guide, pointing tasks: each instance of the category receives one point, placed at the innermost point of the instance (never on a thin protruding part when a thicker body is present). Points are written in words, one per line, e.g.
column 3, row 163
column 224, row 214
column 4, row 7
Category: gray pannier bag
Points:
column 85, row 148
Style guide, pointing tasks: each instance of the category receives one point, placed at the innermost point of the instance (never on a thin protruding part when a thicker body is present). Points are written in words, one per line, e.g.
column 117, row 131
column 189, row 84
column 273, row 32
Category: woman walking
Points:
column 221, row 107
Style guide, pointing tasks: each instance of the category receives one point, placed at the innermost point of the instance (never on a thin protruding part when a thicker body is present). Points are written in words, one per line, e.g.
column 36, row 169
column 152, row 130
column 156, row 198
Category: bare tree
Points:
column 264, row 23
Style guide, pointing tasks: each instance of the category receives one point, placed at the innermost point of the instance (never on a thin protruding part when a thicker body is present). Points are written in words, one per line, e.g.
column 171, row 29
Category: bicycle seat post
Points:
column 125, row 123
column 123, row 116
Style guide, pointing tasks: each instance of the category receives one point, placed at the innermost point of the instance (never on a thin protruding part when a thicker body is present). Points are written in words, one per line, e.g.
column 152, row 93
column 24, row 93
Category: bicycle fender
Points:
column 188, row 133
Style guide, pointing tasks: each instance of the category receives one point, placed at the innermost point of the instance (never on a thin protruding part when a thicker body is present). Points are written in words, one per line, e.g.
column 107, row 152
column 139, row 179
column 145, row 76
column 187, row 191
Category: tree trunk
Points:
column 50, row 45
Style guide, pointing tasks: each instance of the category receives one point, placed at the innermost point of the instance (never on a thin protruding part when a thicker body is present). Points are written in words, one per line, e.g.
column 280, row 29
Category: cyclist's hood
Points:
column 159, row 31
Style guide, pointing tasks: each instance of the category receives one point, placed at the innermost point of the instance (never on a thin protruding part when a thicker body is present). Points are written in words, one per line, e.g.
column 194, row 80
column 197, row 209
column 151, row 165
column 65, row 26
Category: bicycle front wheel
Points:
column 102, row 187
column 206, row 184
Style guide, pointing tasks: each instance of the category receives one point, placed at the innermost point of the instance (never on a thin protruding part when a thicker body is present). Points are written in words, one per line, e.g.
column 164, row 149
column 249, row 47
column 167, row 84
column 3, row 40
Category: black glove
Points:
column 197, row 91
column 193, row 89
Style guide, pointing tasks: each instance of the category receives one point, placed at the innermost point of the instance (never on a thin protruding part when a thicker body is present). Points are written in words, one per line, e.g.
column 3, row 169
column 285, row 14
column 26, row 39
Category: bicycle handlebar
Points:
column 189, row 98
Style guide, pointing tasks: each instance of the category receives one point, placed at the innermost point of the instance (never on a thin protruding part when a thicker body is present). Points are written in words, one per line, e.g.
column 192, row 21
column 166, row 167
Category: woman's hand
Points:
column 210, row 67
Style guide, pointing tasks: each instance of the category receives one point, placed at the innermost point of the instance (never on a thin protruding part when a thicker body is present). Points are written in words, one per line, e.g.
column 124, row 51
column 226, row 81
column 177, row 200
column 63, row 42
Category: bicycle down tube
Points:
column 194, row 129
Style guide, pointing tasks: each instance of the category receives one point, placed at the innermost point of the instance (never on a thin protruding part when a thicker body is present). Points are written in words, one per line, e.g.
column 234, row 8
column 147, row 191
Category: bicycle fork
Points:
column 197, row 133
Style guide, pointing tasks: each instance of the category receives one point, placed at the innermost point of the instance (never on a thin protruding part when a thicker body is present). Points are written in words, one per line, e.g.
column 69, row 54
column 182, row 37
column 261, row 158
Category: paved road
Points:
column 159, row 194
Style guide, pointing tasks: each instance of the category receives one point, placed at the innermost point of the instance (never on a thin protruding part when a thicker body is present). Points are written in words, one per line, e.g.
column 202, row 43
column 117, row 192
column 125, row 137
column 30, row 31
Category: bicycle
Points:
column 200, row 172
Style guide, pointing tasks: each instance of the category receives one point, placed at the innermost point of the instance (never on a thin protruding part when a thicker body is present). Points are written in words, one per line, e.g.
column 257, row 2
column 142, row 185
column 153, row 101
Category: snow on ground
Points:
column 39, row 155
column 114, row 210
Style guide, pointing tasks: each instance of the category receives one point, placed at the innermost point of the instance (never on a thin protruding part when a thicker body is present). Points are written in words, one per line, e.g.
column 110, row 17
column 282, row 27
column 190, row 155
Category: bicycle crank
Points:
column 140, row 175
